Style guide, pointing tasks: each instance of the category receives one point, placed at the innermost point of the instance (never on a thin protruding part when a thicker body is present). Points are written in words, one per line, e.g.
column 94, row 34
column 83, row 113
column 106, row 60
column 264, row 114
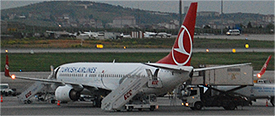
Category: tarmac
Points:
column 11, row 106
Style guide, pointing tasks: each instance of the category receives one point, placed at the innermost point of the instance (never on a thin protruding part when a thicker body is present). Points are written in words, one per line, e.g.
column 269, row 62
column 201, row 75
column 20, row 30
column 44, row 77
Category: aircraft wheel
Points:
column 81, row 99
column 25, row 101
column 152, row 108
column 130, row 108
column 53, row 101
column 29, row 101
column 97, row 102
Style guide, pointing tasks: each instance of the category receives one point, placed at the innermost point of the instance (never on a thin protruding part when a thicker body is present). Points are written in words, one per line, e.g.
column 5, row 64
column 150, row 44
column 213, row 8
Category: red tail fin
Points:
column 182, row 49
column 7, row 72
column 259, row 75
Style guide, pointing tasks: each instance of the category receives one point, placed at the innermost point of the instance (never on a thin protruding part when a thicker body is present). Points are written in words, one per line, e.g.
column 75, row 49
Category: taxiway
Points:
column 11, row 106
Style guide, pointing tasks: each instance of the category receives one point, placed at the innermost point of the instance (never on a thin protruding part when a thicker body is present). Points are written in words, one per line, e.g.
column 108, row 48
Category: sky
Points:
column 229, row 6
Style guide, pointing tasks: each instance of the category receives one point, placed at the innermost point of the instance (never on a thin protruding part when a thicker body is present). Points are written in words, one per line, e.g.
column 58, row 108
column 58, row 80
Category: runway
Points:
column 261, row 37
column 11, row 106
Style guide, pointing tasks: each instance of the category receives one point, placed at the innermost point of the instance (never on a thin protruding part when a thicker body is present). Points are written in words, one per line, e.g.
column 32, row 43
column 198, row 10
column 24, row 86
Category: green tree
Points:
column 91, row 16
column 249, row 25
column 270, row 26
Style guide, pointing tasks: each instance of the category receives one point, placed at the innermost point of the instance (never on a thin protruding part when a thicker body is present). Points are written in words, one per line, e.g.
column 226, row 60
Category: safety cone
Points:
column 1, row 98
column 266, row 103
column 58, row 103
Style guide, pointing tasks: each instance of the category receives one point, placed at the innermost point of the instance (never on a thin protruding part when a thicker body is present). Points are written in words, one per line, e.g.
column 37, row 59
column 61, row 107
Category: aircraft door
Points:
column 154, row 80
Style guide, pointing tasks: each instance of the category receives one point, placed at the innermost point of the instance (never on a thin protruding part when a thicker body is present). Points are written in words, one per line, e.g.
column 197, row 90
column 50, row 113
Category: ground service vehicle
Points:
column 5, row 90
column 233, row 32
column 261, row 89
column 202, row 91
column 142, row 102
column 198, row 97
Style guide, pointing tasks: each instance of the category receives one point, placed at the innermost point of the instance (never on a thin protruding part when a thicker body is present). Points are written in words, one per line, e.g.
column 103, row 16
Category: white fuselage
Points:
column 110, row 75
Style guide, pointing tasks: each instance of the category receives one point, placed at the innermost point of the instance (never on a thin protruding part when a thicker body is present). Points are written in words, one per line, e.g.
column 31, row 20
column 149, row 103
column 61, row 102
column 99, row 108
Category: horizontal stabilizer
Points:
column 171, row 67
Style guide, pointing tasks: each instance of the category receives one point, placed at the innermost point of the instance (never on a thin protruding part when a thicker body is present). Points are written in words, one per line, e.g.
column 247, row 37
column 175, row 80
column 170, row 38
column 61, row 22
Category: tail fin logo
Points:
column 182, row 50
column 7, row 67
column 7, row 72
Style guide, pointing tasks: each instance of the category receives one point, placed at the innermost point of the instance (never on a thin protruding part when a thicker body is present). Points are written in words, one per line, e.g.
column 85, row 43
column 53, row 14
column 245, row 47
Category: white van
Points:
column 233, row 32
column 5, row 90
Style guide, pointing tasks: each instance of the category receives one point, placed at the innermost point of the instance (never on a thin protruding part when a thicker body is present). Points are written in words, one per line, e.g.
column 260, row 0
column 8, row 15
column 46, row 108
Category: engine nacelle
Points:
column 66, row 93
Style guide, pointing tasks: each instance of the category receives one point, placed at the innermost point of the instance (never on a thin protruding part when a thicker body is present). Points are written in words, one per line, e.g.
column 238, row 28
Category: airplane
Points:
column 164, row 34
column 58, row 34
column 125, row 36
column 92, row 34
column 150, row 34
column 260, row 90
column 87, row 35
column 98, row 79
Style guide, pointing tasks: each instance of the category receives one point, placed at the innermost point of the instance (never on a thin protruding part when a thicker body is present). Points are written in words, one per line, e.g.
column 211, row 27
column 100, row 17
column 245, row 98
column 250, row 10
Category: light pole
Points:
column 221, row 17
column 180, row 13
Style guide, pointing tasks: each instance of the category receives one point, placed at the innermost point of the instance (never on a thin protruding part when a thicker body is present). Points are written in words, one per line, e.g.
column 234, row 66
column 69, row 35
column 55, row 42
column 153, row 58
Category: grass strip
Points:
column 42, row 61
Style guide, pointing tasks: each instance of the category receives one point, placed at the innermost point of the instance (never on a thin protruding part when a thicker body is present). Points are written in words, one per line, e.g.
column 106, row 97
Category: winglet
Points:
column 259, row 75
column 7, row 72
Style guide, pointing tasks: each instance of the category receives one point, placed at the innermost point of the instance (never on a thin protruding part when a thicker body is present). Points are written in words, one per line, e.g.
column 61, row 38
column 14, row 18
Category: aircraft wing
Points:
column 218, row 67
column 81, row 85
column 190, row 68
column 49, row 80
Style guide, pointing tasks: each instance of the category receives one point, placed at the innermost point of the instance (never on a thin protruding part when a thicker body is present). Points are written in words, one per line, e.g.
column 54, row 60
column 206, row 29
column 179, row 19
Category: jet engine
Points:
column 66, row 93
